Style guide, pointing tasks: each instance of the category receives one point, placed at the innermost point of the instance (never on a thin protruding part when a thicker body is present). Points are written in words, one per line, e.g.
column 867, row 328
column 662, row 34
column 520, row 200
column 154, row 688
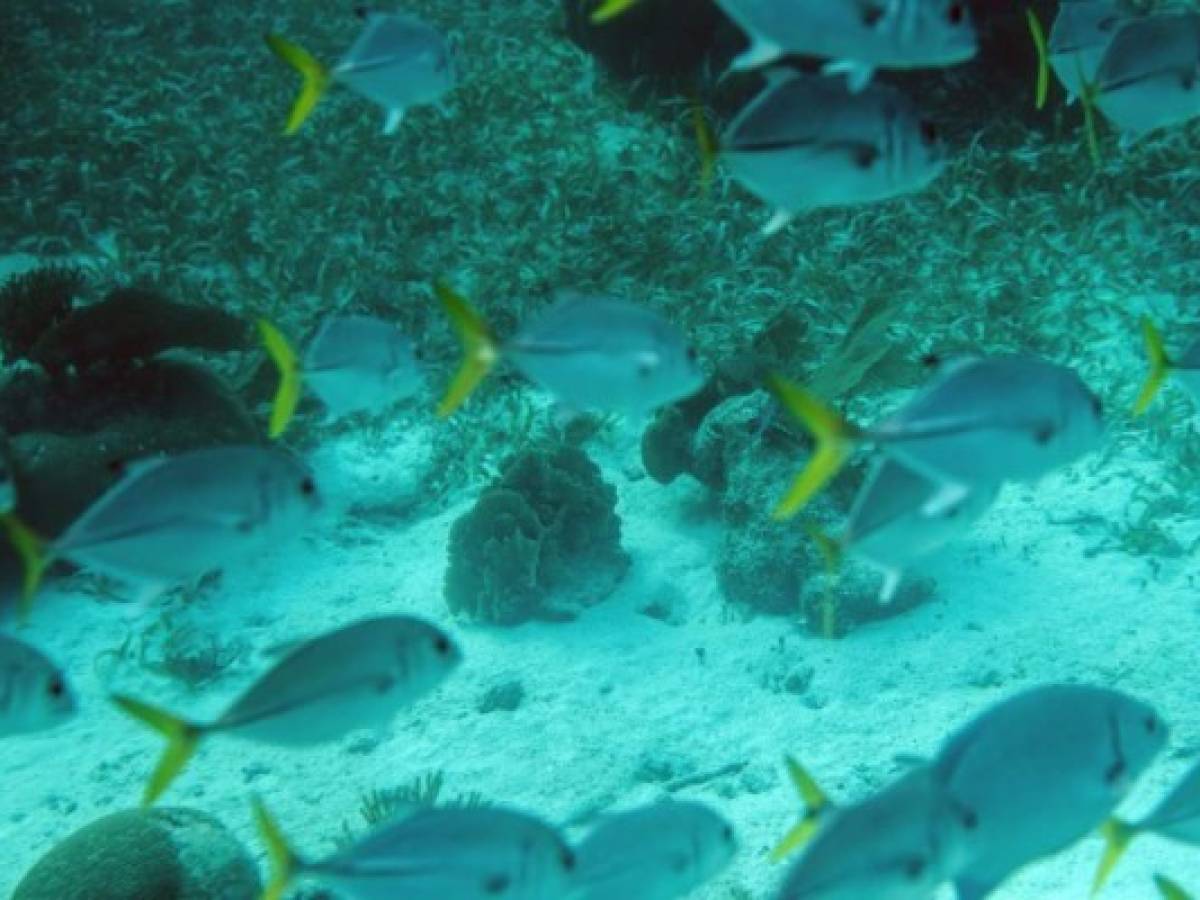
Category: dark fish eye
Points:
column 929, row 132
column 727, row 833
column 308, row 487
column 1151, row 724
column 955, row 14
column 692, row 355
column 441, row 645
column 1097, row 407
column 567, row 858
column 56, row 688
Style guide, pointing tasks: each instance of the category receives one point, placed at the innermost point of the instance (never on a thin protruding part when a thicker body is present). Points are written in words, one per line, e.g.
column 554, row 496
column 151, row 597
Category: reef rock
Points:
column 150, row 854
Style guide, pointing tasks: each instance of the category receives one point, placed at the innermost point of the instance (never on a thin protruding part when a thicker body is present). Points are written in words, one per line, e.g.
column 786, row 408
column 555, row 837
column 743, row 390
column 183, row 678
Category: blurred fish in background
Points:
column 397, row 62
column 806, row 142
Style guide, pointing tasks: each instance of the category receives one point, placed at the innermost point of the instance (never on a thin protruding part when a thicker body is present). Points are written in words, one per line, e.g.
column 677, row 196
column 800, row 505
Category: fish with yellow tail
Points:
column 353, row 363
column 440, row 853
column 1176, row 817
column 888, row 528
column 357, row 676
column 170, row 520
column 1186, row 368
column 397, row 62
column 980, row 422
column 593, row 353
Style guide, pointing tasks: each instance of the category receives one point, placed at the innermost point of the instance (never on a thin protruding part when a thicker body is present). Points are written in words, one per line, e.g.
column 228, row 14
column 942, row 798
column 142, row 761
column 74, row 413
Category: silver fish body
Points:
column 34, row 694
column 984, row 421
column 1080, row 36
column 899, row 844
column 357, row 676
column 858, row 35
column 1040, row 770
column 450, row 853
column 806, row 142
column 889, row 526
column 358, row 363
column 656, row 852
column 1148, row 77
column 170, row 520
column 398, row 62
column 605, row 354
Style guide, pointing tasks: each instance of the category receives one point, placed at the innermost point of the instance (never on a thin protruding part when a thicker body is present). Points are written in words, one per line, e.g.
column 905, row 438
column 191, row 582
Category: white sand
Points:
column 616, row 693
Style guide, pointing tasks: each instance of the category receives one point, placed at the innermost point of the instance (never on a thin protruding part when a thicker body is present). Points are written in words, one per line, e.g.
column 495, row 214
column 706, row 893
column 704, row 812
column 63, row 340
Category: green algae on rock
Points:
column 148, row 854
column 542, row 541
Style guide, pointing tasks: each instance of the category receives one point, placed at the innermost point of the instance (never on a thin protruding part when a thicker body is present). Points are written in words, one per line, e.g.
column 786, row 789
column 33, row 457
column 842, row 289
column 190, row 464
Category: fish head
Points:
column 944, row 31
column 423, row 648
column 714, row 843
column 47, row 699
column 923, row 151
column 1083, row 418
column 1139, row 735
column 668, row 370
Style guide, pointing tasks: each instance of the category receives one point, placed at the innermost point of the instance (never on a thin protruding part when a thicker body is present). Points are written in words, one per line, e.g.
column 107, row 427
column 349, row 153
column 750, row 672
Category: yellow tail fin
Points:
column 34, row 558
column 1117, row 835
column 815, row 806
column 1160, row 367
column 287, row 395
column 182, row 740
column 316, row 79
column 1043, row 57
column 835, row 440
column 706, row 142
column 1169, row 889
column 284, row 862
column 479, row 349
column 610, row 9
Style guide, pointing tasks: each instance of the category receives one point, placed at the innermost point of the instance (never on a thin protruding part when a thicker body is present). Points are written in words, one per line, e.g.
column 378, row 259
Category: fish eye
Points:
column 692, row 355
column 1151, row 724
column 441, row 645
column 308, row 487
column 955, row 14
column 1097, row 406
column 55, row 688
column 727, row 833
column 567, row 858
column 929, row 132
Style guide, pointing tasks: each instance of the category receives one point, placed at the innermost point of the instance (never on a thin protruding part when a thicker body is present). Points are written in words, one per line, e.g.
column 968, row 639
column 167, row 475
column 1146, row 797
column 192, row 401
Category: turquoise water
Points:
column 634, row 625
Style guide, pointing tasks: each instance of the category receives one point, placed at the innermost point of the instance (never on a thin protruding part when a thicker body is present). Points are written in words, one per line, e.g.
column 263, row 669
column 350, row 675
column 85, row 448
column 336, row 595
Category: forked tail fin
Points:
column 316, row 79
column 287, row 395
column 480, row 353
column 835, row 439
column 182, row 739
column 1160, row 367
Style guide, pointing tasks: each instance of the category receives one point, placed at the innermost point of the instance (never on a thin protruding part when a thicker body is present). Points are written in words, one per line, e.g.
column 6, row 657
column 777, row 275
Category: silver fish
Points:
column 1040, row 770
column 170, row 520
column 605, row 354
column 899, row 844
column 1081, row 33
column 806, row 142
column 354, row 677
column 34, row 694
column 397, row 62
column 858, row 36
column 360, row 362
column 444, row 853
column 888, row 526
column 1148, row 77
column 655, row 852
column 984, row 421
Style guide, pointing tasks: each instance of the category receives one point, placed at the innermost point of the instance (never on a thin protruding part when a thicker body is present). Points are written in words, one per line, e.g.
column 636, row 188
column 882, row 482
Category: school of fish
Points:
column 1023, row 779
